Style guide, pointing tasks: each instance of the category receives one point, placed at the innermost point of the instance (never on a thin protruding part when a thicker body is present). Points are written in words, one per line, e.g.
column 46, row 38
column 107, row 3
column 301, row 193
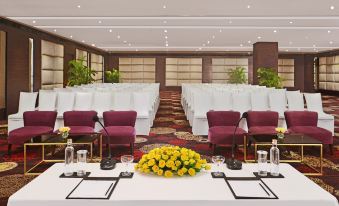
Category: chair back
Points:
column 141, row 102
column 83, row 101
column 222, row 101
column 222, row 118
column 259, row 101
column 40, row 118
column 65, row 102
column 314, row 102
column 122, row 101
column 102, row 101
column 27, row 101
column 120, row 118
column 295, row 101
column 301, row 118
column 202, row 103
column 79, row 118
column 262, row 118
column 241, row 102
column 277, row 100
column 47, row 100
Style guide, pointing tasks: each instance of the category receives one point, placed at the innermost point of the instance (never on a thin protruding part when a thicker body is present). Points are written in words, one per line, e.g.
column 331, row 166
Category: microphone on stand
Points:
column 106, row 163
column 232, row 163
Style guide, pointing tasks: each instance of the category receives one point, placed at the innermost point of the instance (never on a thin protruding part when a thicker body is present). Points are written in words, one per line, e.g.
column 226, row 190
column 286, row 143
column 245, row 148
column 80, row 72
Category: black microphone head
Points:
column 95, row 118
column 244, row 115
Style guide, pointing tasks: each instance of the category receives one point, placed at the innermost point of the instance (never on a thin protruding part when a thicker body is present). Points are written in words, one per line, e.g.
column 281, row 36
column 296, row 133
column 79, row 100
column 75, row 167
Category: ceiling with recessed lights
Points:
column 185, row 25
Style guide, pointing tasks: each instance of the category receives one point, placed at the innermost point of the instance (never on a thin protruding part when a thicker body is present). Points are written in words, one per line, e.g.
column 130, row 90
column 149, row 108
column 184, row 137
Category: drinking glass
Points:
column 262, row 163
column 218, row 160
column 81, row 162
column 126, row 159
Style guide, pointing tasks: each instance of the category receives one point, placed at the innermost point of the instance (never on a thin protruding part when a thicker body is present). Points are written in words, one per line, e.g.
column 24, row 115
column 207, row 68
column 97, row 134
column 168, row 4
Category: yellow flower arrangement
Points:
column 64, row 131
column 172, row 160
column 280, row 130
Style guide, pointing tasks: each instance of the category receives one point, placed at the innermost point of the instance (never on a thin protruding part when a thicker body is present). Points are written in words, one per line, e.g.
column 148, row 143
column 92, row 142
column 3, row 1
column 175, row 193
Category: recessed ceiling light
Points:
column 314, row 45
column 208, row 42
column 99, row 22
column 164, row 6
column 203, row 44
column 329, row 31
column 220, row 30
column 275, row 31
column 93, row 44
column 241, row 45
column 83, row 41
column 166, row 44
column 286, row 50
column 125, row 41
column 291, row 22
column 248, row 6
column 136, row 50
column 315, row 49
column 165, row 30
column 200, row 48
column 165, row 22
column 79, row 6
column 166, row 37
column 249, row 41
column 259, row 37
column 230, row 22
column 213, row 37
column 54, row 30
column 331, row 42
column 129, row 44
column 290, row 42
column 332, row 7
column 110, row 30
column 34, row 21
column 71, row 36
column 118, row 36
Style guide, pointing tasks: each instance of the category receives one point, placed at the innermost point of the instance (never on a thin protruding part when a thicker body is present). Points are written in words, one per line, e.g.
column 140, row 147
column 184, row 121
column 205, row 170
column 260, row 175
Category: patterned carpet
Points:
column 170, row 127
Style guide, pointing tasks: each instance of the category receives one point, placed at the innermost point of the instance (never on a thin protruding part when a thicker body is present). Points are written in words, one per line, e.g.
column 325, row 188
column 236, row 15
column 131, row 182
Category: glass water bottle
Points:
column 274, row 158
column 69, row 158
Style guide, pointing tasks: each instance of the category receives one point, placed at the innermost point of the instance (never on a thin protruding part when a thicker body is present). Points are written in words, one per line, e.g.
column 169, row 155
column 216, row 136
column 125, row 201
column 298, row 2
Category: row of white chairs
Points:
column 197, row 100
column 144, row 99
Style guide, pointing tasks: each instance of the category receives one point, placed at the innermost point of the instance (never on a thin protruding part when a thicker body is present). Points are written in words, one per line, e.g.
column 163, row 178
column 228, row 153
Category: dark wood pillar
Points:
column 69, row 54
column 160, row 72
column 309, row 73
column 206, row 70
column 265, row 54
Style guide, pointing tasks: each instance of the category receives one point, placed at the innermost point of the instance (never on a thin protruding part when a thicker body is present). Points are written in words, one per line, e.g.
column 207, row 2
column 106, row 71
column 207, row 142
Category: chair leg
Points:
column 132, row 148
column 210, row 145
column 9, row 149
column 331, row 148
column 214, row 147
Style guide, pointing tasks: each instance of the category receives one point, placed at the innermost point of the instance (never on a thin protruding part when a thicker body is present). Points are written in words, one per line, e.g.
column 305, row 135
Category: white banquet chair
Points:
column 83, row 101
column 295, row 101
column 202, row 104
column 47, row 100
column 314, row 103
column 141, row 106
column 222, row 101
column 101, row 102
column 242, row 103
column 277, row 101
column 259, row 101
column 65, row 102
column 122, row 101
column 27, row 101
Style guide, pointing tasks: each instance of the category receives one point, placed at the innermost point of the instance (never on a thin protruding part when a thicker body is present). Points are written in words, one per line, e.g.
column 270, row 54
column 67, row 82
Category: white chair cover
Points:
column 222, row 101
column 83, row 101
column 102, row 102
column 122, row 101
column 141, row 104
column 27, row 101
column 47, row 100
column 277, row 100
column 241, row 102
column 65, row 102
column 295, row 101
column 259, row 101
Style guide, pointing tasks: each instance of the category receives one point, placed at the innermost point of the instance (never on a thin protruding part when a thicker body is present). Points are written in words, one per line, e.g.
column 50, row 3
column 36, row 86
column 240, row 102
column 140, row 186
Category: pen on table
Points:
column 109, row 189
column 264, row 189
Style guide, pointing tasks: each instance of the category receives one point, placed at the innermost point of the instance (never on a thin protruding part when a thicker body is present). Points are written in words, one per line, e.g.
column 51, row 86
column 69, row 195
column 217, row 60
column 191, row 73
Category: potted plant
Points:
column 269, row 78
column 112, row 76
column 238, row 76
column 79, row 73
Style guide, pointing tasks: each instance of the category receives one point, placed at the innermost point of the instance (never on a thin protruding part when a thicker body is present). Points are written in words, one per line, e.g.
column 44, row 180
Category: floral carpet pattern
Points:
column 171, row 128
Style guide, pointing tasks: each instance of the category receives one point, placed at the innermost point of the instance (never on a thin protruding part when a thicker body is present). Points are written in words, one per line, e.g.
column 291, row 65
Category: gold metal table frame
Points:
column 318, row 172
column 43, row 160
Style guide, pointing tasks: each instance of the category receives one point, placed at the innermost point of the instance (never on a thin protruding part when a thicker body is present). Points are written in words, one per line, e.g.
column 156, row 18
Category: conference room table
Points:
column 49, row 189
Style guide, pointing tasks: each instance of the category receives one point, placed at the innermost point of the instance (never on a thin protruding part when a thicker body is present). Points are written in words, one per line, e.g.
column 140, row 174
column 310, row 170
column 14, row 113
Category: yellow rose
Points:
column 192, row 161
column 207, row 167
column 191, row 171
column 165, row 157
column 177, row 163
column 162, row 163
column 168, row 173
column 160, row 172
column 184, row 169
column 186, row 163
column 184, row 157
column 155, row 168
column 174, row 168
column 157, row 157
column 170, row 163
column 198, row 166
column 151, row 162
column 181, row 173
column 144, row 166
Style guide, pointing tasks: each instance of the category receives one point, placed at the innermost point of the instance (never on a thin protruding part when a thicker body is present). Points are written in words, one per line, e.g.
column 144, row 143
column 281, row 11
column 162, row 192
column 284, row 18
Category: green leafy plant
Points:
column 79, row 73
column 112, row 76
column 269, row 78
column 238, row 76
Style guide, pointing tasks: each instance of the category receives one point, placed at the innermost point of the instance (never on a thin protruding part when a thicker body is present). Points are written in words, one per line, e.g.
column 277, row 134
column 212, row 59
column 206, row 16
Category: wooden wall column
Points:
column 265, row 54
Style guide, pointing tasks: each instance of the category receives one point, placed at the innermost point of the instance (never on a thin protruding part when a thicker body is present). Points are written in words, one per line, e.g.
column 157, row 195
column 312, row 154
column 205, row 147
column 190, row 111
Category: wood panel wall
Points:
column 17, row 58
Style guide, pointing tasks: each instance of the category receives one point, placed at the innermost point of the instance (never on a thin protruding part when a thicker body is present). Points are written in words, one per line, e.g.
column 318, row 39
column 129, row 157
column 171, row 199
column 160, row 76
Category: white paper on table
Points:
column 250, row 188
column 93, row 189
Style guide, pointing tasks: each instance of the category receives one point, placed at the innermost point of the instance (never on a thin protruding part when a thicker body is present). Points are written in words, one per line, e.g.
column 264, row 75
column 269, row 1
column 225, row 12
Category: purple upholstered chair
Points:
column 36, row 123
column 262, row 122
column 80, row 122
column 120, row 127
column 221, row 128
column 305, row 122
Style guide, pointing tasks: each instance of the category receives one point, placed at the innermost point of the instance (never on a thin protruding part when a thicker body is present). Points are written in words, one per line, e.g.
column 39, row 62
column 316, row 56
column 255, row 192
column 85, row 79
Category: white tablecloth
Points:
column 146, row 190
